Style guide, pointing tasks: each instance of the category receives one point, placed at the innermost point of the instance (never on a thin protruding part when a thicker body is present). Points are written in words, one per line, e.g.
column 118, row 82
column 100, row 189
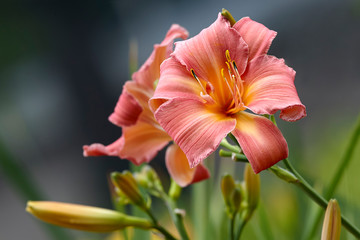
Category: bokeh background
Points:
column 63, row 64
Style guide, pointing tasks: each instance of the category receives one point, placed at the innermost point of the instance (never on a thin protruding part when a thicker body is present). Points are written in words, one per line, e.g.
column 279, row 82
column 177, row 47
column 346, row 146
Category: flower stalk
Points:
column 170, row 203
column 310, row 191
column 344, row 163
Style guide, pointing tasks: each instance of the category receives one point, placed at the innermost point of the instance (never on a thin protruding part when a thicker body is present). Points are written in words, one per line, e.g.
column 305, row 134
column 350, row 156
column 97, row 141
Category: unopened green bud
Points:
column 284, row 174
column 84, row 218
column 148, row 179
column 237, row 199
column 252, row 188
column 228, row 16
column 127, row 184
column 227, row 188
column 332, row 222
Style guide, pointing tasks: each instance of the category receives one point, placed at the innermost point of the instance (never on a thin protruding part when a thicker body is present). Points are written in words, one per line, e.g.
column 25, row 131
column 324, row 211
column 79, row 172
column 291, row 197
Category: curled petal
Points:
column 97, row 149
column 142, row 142
column 127, row 110
column 150, row 71
column 205, row 53
column 269, row 87
column 142, row 96
column 179, row 168
column 197, row 130
column 261, row 141
column 175, row 81
column 257, row 36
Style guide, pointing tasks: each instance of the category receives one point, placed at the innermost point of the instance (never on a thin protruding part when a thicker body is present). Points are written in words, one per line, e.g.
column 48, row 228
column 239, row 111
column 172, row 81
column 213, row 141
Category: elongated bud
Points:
column 227, row 189
column 252, row 187
column 127, row 184
column 84, row 218
column 332, row 222
column 284, row 174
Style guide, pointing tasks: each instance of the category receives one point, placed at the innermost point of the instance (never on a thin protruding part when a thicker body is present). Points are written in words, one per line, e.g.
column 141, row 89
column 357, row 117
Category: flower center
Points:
column 232, row 91
column 234, row 84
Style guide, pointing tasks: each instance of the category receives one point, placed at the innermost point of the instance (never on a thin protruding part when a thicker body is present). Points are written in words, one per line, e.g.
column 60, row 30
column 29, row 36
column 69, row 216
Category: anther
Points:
column 227, row 54
column 197, row 79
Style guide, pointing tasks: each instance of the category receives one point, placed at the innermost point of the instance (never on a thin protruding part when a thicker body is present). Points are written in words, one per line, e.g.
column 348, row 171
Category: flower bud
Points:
column 332, row 222
column 148, row 179
column 252, row 188
column 236, row 199
column 84, row 218
column 227, row 189
column 228, row 16
column 127, row 184
column 284, row 174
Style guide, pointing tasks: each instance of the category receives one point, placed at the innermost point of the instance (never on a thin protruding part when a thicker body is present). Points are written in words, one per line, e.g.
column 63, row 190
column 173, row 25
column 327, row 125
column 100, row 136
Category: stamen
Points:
column 227, row 54
column 238, row 77
column 205, row 92
column 197, row 79
column 235, row 85
column 227, row 83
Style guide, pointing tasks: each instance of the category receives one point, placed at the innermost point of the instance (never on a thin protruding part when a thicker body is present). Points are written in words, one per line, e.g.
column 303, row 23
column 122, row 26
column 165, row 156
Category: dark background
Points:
column 63, row 64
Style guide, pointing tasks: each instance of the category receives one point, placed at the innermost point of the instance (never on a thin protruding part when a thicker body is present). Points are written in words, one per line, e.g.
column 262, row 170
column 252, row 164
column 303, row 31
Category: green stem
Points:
column 233, row 138
column 232, row 224
column 320, row 200
column 344, row 163
column 166, row 234
column 224, row 143
column 345, row 160
column 240, row 229
column 170, row 202
column 152, row 217
column 238, row 157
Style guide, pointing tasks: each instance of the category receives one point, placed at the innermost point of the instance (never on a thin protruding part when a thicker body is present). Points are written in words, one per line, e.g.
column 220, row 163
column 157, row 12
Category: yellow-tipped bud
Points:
column 227, row 189
column 252, row 188
column 127, row 184
column 332, row 222
column 84, row 218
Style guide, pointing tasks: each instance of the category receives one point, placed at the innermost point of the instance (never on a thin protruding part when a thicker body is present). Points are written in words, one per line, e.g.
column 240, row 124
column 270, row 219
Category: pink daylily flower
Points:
column 142, row 136
column 212, row 81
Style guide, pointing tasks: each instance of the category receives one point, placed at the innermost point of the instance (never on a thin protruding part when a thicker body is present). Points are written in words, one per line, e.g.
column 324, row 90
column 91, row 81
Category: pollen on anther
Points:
column 227, row 54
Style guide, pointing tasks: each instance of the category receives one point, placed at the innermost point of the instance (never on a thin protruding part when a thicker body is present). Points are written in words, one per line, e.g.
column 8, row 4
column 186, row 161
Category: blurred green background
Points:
column 62, row 67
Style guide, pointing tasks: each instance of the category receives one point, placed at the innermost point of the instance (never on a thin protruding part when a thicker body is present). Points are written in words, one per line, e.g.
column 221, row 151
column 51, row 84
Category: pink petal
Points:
column 142, row 95
column 179, row 169
column 142, row 142
column 127, row 110
column 97, row 149
column 197, row 130
column 175, row 81
column 139, row 143
column 261, row 141
column 150, row 71
column 205, row 53
column 269, row 87
column 133, row 106
column 257, row 36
